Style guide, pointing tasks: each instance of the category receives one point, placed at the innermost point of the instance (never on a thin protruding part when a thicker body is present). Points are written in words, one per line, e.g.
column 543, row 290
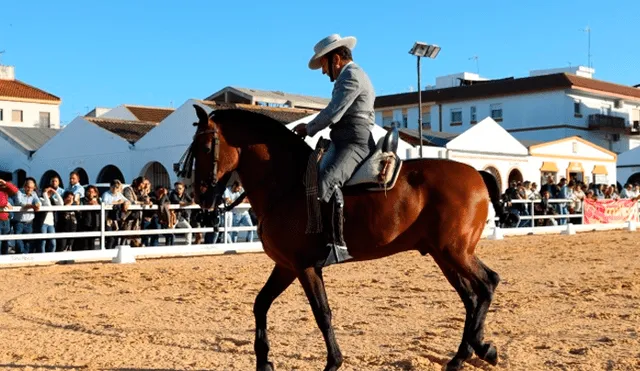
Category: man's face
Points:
column 29, row 187
column 325, row 66
column 55, row 183
column 180, row 189
column 73, row 179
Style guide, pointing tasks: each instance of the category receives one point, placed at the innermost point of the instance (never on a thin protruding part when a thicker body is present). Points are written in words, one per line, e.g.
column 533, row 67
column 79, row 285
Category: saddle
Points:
column 379, row 171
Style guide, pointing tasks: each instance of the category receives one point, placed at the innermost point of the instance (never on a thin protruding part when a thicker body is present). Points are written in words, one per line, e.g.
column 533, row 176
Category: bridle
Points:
column 215, row 187
column 188, row 159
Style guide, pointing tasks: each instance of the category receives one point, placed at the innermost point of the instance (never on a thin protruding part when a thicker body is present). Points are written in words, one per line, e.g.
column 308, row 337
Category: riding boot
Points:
column 335, row 244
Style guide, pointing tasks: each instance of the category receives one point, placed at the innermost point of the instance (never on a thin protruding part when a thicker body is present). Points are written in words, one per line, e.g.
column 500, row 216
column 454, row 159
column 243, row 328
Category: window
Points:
column 496, row 112
column 405, row 120
column 574, row 148
column 426, row 119
column 16, row 115
column 456, row 117
column 1, row 114
column 45, row 119
column 576, row 109
column 474, row 117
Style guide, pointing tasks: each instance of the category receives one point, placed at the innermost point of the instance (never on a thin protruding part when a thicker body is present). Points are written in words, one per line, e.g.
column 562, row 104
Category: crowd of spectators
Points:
column 574, row 191
column 20, row 214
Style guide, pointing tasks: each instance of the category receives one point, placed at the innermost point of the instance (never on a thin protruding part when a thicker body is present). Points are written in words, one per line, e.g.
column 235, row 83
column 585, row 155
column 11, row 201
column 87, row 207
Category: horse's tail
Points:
column 494, row 194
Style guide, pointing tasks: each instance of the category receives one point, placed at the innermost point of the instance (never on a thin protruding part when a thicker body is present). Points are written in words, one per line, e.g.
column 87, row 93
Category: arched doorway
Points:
column 515, row 176
column 157, row 174
column 45, row 180
column 493, row 171
column 635, row 178
column 109, row 173
column 84, row 178
column 19, row 177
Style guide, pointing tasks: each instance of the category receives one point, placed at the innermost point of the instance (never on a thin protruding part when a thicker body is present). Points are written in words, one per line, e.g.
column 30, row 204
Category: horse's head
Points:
column 214, row 160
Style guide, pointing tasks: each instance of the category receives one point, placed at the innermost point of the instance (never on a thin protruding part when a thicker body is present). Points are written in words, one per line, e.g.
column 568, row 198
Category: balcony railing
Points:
column 600, row 121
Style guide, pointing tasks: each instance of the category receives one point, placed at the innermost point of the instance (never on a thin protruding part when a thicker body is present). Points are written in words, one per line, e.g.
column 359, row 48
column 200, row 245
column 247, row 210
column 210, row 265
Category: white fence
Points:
column 230, row 248
column 225, row 247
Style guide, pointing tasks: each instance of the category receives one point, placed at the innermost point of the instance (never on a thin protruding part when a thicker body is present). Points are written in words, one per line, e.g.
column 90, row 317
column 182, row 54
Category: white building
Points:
column 488, row 146
column 547, row 105
column 25, row 106
column 275, row 98
column 628, row 166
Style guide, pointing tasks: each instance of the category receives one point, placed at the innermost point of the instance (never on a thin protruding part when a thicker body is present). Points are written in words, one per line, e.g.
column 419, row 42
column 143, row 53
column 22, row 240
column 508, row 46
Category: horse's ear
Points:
column 203, row 118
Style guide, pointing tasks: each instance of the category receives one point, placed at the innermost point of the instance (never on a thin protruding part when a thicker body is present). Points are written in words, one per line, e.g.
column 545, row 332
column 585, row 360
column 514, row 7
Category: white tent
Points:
column 378, row 133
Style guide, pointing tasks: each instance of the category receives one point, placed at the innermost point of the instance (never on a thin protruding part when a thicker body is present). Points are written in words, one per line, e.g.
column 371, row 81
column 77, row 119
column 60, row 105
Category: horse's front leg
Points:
column 278, row 281
column 313, row 284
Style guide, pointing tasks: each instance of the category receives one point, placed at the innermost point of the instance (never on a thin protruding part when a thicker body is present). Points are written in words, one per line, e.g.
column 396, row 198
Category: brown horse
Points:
column 438, row 207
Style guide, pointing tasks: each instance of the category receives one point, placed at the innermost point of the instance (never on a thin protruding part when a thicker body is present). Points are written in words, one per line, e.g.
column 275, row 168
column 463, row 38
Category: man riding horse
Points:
column 351, row 117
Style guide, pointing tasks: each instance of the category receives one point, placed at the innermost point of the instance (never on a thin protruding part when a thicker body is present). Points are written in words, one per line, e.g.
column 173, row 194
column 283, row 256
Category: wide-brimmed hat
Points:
column 328, row 44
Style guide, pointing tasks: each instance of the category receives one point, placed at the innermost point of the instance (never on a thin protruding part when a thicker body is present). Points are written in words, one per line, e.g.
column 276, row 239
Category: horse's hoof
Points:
column 489, row 354
column 266, row 367
column 454, row 365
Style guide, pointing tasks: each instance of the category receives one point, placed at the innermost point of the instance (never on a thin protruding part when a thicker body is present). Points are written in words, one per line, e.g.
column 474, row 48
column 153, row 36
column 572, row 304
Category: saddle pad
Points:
column 367, row 174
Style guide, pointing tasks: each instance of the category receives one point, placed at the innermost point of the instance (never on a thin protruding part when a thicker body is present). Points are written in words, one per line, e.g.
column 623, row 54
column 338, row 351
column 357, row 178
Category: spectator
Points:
column 89, row 219
column 627, row 191
column 67, row 223
column 578, row 196
column 7, row 191
column 162, row 218
column 55, row 184
column 75, row 188
column 115, row 198
column 49, row 197
column 136, row 195
column 26, row 199
column 562, row 194
column 179, row 197
column 240, row 216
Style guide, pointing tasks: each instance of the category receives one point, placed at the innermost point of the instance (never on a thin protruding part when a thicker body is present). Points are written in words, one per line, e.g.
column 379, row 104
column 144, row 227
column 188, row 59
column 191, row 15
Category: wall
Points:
column 30, row 113
column 12, row 158
column 83, row 144
column 518, row 111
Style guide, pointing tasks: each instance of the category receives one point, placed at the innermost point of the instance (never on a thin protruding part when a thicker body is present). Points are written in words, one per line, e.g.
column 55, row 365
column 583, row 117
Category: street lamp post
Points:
column 421, row 49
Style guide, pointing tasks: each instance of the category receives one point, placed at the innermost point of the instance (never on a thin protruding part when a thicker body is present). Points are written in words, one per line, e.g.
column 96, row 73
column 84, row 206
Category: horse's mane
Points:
column 263, row 127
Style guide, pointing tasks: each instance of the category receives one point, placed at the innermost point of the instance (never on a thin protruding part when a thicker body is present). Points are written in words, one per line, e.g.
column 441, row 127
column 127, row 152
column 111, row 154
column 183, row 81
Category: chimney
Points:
column 7, row 73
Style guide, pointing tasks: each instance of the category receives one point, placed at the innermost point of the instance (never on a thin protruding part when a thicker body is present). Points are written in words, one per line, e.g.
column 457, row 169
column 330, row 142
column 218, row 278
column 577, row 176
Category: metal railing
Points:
column 103, row 233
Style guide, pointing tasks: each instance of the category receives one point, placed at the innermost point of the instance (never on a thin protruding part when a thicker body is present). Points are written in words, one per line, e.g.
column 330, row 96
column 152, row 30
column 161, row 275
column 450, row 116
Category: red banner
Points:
column 610, row 211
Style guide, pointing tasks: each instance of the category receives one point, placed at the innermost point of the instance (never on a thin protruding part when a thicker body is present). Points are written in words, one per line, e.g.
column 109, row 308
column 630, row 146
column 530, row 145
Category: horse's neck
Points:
column 269, row 175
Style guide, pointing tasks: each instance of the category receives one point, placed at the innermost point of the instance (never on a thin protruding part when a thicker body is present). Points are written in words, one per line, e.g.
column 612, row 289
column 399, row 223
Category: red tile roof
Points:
column 508, row 87
column 19, row 90
column 129, row 130
column 150, row 114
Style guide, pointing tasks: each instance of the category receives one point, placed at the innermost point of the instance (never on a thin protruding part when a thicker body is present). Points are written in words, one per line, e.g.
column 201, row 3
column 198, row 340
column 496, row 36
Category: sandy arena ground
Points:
column 565, row 302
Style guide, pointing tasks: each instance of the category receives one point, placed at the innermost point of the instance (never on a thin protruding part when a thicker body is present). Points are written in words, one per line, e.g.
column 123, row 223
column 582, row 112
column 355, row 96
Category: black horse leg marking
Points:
column 278, row 281
column 484, row 282
column 470, row 300
column 313, row 284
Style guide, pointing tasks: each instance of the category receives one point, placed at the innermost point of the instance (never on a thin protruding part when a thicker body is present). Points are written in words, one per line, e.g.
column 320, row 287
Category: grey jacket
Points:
column 350, row 112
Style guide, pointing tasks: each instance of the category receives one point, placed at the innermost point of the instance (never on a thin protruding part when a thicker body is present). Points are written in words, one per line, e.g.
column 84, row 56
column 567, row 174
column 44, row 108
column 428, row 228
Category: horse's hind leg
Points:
column 313, row 284
column 469, row 299
column 278, row 281
column 484, row 282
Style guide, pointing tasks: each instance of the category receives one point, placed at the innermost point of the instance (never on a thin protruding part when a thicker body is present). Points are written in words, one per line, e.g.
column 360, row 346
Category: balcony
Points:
column 606, row 122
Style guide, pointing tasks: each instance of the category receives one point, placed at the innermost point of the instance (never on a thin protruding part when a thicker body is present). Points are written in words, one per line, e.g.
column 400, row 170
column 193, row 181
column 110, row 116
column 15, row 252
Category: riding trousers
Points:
column 341, row 161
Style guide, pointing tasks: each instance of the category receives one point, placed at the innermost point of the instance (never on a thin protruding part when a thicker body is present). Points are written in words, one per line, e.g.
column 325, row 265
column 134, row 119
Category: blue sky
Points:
column 161, row 53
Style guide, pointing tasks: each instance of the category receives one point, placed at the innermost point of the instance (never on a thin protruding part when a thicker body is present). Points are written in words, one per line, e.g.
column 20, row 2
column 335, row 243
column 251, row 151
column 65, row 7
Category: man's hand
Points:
column 301, row 130
column 2, row 183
